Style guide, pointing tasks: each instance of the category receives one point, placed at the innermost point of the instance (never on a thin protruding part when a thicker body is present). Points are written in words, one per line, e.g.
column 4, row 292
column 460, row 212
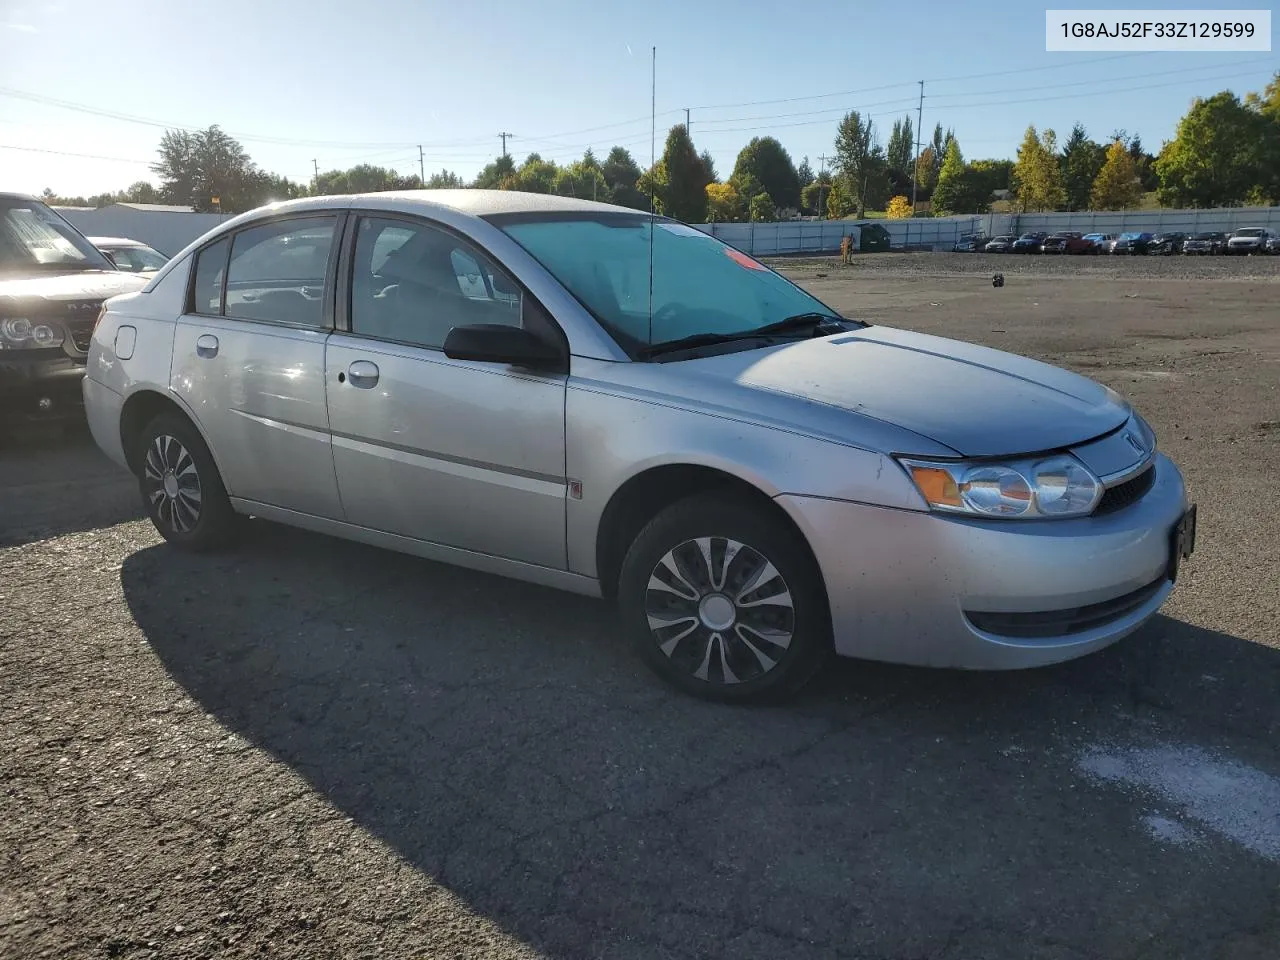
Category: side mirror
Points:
column 501, row 343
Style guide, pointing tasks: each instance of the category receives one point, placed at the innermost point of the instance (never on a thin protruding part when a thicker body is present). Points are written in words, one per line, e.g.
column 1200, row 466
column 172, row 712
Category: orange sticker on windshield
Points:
column 742, row 260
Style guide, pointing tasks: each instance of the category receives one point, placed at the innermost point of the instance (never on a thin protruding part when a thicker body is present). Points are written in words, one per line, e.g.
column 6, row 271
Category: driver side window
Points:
column 413, row 283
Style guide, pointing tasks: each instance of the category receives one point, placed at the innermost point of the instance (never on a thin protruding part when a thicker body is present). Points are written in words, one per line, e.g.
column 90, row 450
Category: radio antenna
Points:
column 653, row 160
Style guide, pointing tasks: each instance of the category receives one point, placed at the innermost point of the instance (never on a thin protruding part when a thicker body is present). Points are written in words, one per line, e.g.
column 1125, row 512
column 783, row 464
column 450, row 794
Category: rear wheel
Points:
column 181, row 488
column 725, row 601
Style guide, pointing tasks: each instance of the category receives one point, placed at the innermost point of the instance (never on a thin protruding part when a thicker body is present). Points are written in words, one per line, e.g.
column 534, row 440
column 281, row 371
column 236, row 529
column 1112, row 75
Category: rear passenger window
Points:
column 207, row 294
column 277, row 272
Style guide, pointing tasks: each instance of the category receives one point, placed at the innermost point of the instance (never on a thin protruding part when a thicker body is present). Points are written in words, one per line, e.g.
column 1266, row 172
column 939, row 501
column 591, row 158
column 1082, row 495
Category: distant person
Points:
column 846, row 249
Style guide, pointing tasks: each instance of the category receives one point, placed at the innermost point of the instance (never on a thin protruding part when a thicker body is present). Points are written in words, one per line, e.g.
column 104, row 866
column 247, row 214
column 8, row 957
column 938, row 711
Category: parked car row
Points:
column 1247, row 240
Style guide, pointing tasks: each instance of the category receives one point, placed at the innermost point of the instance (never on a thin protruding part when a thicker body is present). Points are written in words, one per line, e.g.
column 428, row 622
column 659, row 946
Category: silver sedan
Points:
column 595, row 399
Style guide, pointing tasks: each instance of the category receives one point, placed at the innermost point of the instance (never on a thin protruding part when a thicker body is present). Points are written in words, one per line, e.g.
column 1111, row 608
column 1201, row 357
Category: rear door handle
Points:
column 363, row 374
column 206, row 345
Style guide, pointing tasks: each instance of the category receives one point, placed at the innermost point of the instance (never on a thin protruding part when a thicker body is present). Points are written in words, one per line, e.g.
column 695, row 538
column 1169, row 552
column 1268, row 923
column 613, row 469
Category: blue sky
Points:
column 345, row 83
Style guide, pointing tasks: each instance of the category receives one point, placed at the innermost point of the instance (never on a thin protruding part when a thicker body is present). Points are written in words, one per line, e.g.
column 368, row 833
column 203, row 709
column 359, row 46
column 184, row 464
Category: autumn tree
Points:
column 860, row 163
column 899, row 208
column 837, row 201
column 1037, row 175
column 1118, row 186
column 1082, row 159
column 723, row 203
column 678, row 181
column 926, row 173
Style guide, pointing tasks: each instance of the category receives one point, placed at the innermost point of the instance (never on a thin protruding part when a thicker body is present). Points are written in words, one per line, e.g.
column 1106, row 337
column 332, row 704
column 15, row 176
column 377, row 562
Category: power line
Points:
column 65, row 153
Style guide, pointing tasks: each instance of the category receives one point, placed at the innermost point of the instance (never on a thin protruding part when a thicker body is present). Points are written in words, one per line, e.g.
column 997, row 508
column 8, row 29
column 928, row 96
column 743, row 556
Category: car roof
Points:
column 115, row 242
column 477, row 203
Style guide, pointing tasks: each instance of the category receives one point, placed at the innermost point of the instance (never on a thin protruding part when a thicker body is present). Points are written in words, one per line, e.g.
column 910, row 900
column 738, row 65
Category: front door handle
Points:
column 363, row 374
column 206, row 346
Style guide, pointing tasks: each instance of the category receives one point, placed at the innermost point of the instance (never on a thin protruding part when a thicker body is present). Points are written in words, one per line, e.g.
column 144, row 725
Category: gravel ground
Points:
column 304, row 748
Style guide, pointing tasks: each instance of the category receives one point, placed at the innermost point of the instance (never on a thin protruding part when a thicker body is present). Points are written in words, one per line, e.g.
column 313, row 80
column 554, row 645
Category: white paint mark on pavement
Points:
column 1169, row 831
column 1225, row 795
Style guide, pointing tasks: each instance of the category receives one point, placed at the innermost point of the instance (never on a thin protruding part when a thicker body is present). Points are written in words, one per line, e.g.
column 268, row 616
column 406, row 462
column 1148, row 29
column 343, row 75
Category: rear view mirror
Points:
column 501, row 343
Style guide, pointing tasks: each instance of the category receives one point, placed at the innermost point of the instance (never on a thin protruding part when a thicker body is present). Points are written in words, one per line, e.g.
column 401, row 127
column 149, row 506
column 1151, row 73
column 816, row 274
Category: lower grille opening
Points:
column 1061, row 623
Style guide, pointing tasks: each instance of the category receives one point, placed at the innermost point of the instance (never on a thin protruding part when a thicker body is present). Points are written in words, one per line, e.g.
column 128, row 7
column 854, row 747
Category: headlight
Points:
column 18, row 333
column 1055, row 486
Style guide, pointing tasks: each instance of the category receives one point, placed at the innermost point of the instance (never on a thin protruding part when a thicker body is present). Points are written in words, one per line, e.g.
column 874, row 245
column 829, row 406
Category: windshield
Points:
column 1249, row 232
column 700, row 285
column 135, row 259
column 34, row 239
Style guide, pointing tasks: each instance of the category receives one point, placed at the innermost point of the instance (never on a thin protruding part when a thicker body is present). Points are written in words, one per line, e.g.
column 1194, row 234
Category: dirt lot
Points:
column 310, row 749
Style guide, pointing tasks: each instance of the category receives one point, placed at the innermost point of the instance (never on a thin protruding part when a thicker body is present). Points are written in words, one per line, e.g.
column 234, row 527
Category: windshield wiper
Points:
column 816, row 324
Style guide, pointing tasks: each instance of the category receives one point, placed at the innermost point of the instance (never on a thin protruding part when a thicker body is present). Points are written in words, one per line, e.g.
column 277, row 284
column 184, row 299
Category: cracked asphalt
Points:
column 305, row 748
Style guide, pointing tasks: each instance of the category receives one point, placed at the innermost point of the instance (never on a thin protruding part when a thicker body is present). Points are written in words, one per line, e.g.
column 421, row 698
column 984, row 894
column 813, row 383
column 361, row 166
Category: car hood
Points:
column 974, row 400
column 72, row 286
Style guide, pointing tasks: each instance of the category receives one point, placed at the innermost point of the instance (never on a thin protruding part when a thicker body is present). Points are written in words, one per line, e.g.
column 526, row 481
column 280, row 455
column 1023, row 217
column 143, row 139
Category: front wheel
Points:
column 724, row 600
column 181, row 488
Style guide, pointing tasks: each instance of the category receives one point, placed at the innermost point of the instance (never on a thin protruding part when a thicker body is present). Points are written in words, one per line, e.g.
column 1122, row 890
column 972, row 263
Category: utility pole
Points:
column 915, row 173
column 504, row 137
column 422, row 170
column 822, row 209
column 686, row 123
column 316, row 164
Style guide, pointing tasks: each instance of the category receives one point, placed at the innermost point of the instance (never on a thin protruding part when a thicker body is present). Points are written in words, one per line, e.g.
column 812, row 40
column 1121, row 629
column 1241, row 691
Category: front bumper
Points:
column 918, row 588
column 40, row 387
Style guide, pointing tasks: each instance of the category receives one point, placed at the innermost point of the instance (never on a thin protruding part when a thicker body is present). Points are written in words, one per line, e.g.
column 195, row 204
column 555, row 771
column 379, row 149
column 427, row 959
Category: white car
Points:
column 131, row 256
column 593, row 398
column 1249, row 240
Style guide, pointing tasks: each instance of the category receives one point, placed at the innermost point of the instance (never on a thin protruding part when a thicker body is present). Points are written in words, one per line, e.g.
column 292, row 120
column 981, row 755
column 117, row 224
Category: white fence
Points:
column 940, row 233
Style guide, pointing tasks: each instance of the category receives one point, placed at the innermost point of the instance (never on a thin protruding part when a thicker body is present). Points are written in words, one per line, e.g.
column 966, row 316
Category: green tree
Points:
column 901, row 151
column 763, row 209
column 1037, row 175
column 765, row 159
column 1218, row 156
column 678, row 181
column 582, row 179
column 1082, row 159
column 621, row 173
column 535, row 175
column 988, row 176
column 444, row 180
column 957, row 191
column 804, row 173
column 496, row 173
column 197, row 166
column 1118, row 186
column 709, row 164
column 813, row 198
column 860, row 163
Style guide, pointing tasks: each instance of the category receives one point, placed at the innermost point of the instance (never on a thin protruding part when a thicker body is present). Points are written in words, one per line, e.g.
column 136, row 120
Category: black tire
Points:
column 170, row 447
column 799, row 639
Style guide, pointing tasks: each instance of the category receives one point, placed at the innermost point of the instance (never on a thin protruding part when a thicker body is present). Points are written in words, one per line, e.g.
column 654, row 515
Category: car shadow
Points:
column 502, row 739
column 56, row 481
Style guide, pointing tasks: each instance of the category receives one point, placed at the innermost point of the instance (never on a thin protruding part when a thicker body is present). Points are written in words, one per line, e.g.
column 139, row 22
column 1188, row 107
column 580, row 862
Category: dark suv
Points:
column 52, row 285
